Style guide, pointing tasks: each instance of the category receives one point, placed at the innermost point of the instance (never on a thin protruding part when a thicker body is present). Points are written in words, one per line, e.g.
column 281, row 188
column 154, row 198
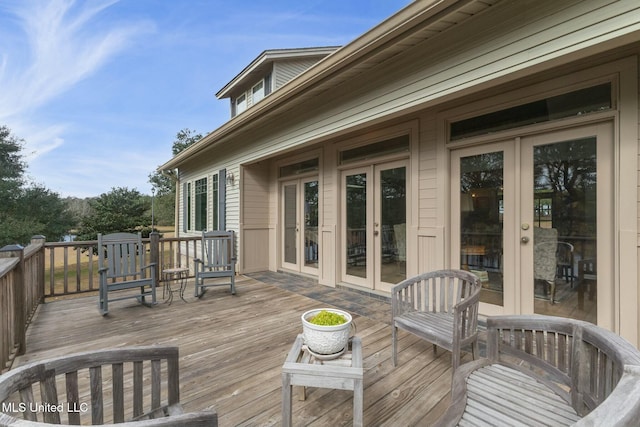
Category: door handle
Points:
column 524, row 239
column 375, row 233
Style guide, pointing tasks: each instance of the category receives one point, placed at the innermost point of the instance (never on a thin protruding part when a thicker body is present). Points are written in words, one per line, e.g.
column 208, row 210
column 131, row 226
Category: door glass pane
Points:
column 356, row 218
column 481, row 221
column 393, row 221
column 290, row 217
column 311, row 224
column 565, row 261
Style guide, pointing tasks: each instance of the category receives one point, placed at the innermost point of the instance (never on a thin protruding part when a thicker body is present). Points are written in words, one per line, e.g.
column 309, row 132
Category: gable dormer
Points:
column 267, row 73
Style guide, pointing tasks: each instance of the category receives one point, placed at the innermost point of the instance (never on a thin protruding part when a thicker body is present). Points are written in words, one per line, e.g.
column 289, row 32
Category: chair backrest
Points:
column 565, row 253
column 122, row 254
column 124, row 382
column 218, row 249
column 545, row 242
column 582, row 362
column 441, row 290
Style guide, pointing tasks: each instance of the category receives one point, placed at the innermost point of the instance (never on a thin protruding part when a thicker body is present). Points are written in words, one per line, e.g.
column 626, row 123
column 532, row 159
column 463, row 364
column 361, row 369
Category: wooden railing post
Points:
column 40, row 240
column 17, row 251
column 154, row 249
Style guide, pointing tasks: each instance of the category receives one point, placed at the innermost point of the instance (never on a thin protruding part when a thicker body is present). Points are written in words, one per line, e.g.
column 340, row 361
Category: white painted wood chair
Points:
column 218, row 261
column 122, row 267
column 440, row 307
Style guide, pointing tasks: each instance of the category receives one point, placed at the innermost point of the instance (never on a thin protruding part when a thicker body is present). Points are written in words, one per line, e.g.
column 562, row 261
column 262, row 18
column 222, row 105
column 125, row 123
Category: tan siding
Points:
column 255, row 237
column 287, row 70
column 427, row 181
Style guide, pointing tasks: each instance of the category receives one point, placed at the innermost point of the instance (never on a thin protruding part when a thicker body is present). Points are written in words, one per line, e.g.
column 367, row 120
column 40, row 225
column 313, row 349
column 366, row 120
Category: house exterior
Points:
column 498, row 136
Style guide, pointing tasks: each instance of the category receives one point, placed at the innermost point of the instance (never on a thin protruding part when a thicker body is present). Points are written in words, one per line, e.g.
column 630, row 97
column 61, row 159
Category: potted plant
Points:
column 326, row 330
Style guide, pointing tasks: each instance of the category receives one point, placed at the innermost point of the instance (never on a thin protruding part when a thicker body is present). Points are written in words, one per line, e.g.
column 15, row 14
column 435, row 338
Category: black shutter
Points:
column 222, row 199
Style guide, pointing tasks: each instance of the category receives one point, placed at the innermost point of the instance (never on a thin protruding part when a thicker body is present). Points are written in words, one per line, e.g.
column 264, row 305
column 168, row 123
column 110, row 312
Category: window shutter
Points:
column 222, row 199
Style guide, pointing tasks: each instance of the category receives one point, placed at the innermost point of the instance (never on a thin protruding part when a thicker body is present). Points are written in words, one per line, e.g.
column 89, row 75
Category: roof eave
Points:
column 392, row 28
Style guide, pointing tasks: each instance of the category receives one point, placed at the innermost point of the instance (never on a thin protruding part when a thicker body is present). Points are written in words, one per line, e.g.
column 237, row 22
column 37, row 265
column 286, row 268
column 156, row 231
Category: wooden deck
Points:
column 232, row 349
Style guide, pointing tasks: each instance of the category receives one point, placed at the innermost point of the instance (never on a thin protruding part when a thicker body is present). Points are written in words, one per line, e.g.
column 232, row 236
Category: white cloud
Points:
column 64, row 48
column 46, row 48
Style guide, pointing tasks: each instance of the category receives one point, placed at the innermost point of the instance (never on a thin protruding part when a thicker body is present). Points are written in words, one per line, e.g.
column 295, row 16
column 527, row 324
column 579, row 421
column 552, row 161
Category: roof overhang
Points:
column 418, row 21
column 265, row 61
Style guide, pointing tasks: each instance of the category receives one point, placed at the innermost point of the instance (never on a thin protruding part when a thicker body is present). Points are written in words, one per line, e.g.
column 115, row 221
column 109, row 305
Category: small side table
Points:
column 177, row 275
column 301, row 368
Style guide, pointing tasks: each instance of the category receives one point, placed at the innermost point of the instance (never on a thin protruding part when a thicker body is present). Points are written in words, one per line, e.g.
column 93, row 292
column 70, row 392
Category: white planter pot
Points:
column 326, row 339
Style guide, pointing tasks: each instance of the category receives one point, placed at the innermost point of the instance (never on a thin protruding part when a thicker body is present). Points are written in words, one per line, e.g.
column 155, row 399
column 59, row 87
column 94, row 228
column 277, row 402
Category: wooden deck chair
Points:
column 122, row 267
column 218, row 261
column 440, row 307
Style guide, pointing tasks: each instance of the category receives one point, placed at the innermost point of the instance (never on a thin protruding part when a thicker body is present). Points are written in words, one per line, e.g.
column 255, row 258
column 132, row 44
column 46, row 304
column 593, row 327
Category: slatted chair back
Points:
column 217, row 247
column 122, row 266
column 218, row 260
column 122, row 254
column 109, row 386
column 440, row 307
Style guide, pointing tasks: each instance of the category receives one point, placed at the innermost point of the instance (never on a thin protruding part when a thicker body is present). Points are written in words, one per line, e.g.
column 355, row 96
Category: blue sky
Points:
column 98, row 89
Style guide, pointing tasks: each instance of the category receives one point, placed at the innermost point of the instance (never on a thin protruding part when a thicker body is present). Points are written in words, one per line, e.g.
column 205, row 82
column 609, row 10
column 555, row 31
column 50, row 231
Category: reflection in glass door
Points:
column 390, row 226
column 481, row 216
column 566, row 190
column 300, row 249
column 375, row 230
column 290, row 211
column 537, row 229
column 356, row 220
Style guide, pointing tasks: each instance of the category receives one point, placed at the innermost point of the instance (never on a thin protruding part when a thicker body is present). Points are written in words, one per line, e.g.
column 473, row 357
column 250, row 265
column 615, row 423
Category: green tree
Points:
column 164, row 185
column 119, row 210
column 26, row 210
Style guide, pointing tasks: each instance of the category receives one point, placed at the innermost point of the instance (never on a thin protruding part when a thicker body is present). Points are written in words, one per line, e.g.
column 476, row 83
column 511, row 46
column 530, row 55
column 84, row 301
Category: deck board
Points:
column 232, row 350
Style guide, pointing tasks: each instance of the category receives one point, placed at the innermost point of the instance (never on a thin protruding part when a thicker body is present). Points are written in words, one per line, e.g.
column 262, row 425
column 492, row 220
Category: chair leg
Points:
column 455, row 360
column 104, row 302
column 233, row 284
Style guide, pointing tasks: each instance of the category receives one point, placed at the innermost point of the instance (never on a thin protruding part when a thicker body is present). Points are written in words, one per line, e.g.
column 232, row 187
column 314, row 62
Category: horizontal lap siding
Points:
column 287, row 70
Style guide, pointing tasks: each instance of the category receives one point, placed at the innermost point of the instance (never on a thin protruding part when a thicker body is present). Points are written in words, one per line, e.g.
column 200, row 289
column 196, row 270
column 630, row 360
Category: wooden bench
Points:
column 543, row 370
column 137, row 385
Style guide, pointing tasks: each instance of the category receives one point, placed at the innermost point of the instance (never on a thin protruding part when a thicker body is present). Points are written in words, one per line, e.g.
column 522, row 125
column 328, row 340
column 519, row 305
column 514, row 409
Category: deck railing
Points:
column 60, row 269
column 21, row 290
column 72, row 267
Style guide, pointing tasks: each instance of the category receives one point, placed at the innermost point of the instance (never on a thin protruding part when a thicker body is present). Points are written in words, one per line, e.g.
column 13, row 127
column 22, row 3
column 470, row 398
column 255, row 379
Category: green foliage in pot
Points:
column 327, row 318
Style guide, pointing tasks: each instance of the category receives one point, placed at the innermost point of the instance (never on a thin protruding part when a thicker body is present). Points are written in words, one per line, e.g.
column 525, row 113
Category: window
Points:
column 267, row 84
column 241, row 103
column 310, row 165
column 576, row 103
column 201, row 204
column 186, row 206
column 258, row 92
column 214, row 201
column 399, row 144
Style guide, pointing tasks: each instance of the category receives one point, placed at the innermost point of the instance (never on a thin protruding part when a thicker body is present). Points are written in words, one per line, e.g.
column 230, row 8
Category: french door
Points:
column 374, row 218
column 533, row 218
column 300, row 250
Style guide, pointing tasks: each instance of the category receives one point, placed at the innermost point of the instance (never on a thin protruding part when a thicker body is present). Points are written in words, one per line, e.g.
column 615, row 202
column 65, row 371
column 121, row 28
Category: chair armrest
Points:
column 466, row 303
column 153, row 264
